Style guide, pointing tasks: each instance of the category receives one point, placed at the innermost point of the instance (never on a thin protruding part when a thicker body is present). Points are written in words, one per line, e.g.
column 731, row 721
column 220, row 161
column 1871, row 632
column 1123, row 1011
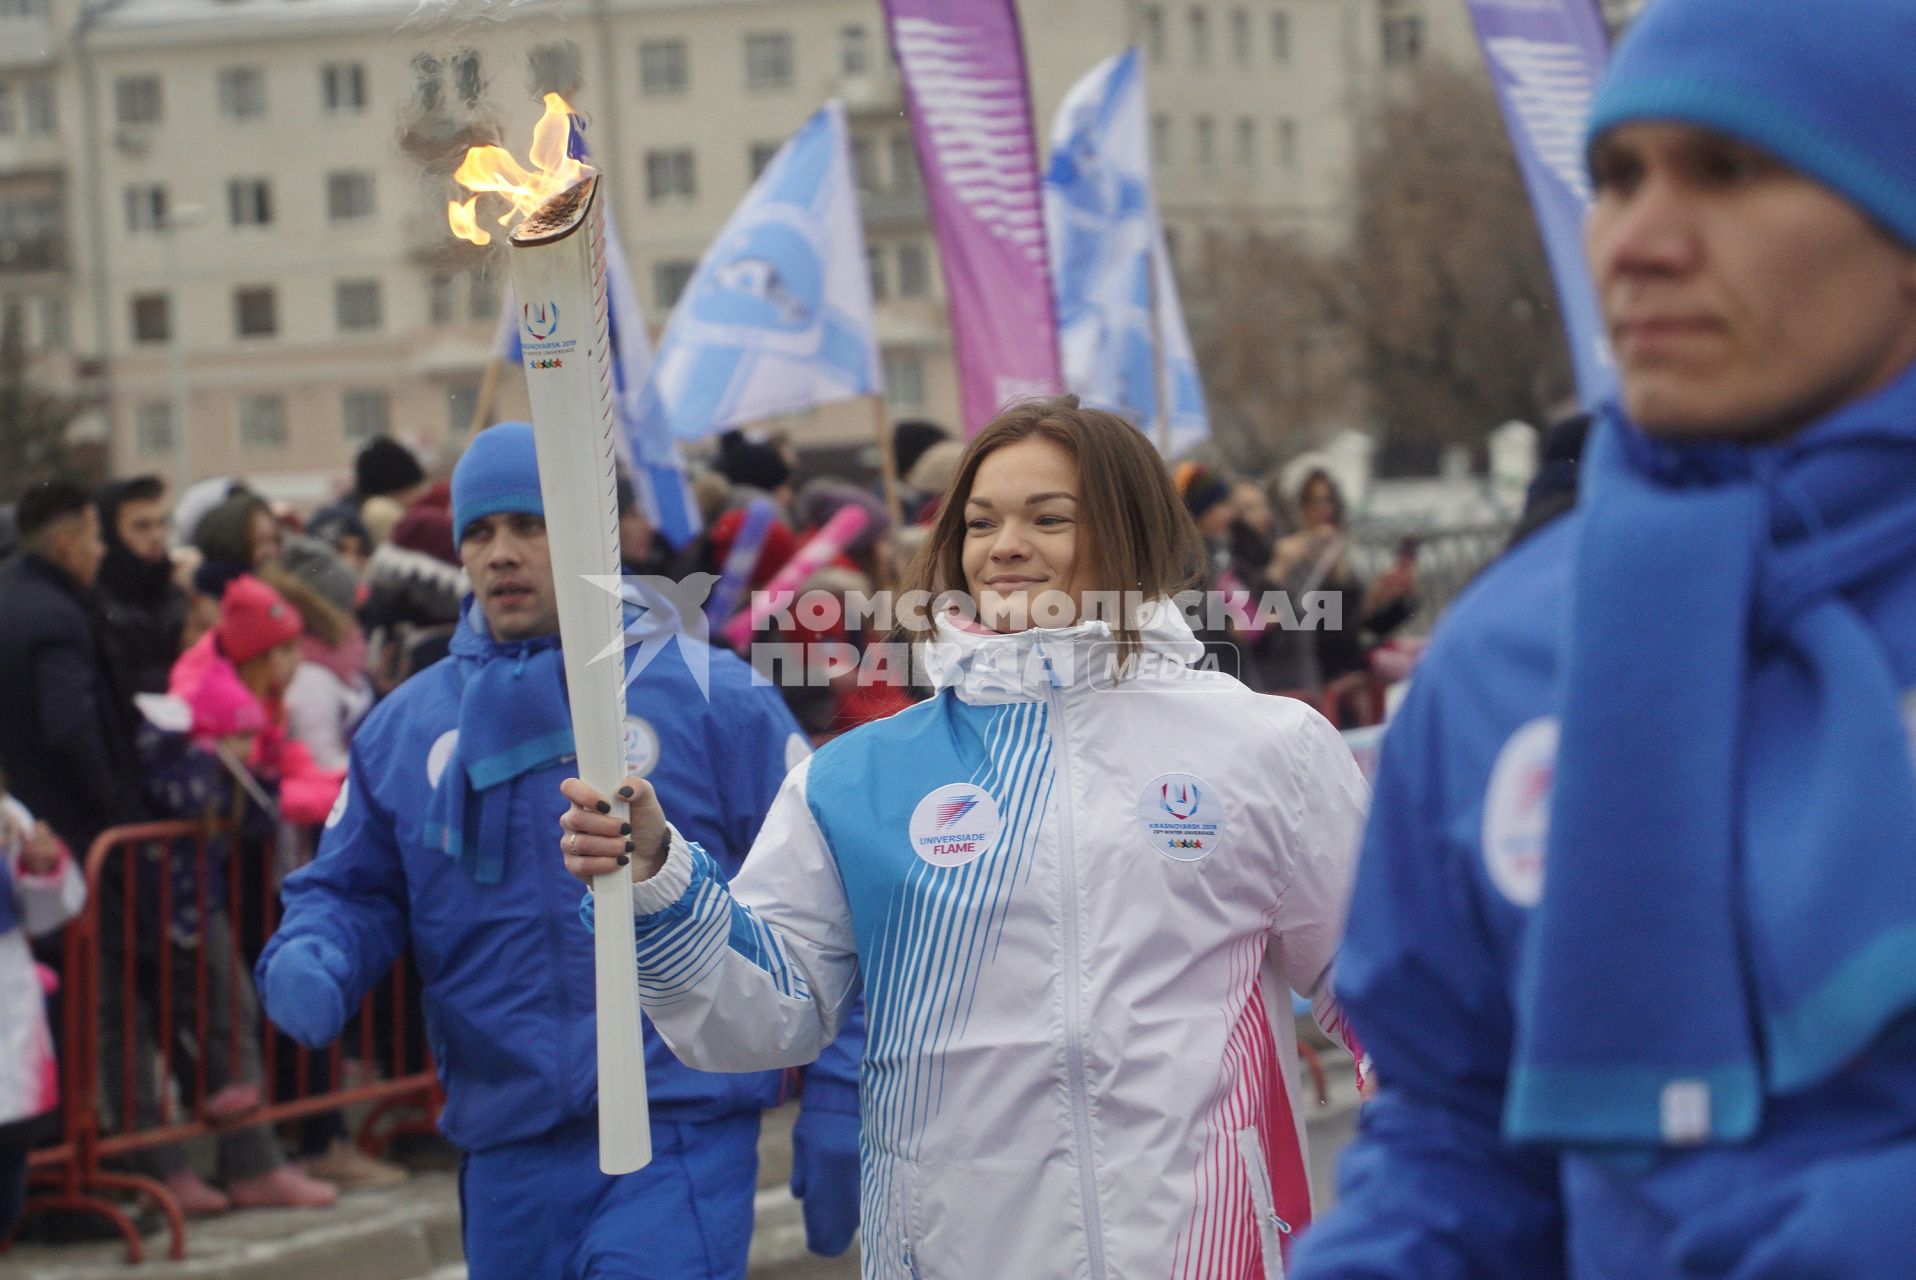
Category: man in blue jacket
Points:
column 437, row 842
column 1633, row 944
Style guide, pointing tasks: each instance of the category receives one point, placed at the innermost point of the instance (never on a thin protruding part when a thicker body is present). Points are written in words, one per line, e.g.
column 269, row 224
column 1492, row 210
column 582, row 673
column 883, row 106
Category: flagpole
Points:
column 887, row 462
column 1160, row 379
column 488, row 394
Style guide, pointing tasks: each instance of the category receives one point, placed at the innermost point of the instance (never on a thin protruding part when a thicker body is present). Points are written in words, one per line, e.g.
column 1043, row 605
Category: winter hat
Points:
column 498, row 472
column 743, row 460
column 384, row 466
column 1823, row 87
column 934, row 469
column 821, row 499
column 427, row 530
column 254, row 618
column 910, row 439
column 1202, row 489
column 319, row 567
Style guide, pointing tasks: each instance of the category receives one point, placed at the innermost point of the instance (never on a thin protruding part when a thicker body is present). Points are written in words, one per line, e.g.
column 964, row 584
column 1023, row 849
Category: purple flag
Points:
column 1545, row 57
column 964, row 71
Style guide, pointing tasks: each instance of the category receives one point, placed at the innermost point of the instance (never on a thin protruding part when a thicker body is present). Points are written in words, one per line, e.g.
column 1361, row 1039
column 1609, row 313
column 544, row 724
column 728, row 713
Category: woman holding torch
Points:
column 1077, row 887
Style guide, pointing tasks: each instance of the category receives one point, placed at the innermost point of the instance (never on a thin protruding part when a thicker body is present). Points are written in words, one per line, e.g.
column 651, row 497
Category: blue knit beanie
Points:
column 1826, row 86
column 498, row 472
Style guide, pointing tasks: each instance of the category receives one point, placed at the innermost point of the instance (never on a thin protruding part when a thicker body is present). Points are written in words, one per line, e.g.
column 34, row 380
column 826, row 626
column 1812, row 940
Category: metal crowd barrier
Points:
column 130, row 930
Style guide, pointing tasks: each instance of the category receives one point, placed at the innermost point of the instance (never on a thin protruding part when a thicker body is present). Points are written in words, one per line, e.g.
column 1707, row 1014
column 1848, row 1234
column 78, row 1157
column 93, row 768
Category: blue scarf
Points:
column 1729, row 910
column 513, row 718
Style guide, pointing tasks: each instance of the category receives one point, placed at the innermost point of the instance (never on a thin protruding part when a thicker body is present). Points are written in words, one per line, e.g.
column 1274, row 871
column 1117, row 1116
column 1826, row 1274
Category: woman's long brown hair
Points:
column 1134, row 531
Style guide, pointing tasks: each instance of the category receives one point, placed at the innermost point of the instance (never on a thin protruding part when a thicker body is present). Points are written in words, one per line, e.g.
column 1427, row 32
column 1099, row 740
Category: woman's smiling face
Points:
column 1021, row 533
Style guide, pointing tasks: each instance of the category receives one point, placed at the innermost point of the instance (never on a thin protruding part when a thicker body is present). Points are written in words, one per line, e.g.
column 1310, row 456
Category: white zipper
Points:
column 1073, row 969
column 1269, row 1226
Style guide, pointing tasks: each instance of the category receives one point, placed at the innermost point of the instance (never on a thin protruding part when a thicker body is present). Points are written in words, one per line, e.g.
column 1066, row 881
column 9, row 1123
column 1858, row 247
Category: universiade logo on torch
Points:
column 557, row 255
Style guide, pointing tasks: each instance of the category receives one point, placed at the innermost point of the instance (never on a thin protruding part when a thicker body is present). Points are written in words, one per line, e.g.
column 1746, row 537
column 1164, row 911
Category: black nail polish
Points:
column 625, row 793
column 623, row 860
column 629, row 846
column 604, row 807
column 625, row 828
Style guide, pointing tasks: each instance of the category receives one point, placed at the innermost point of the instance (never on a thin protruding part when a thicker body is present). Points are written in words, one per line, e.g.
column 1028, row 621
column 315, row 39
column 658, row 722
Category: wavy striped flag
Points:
column 1545, row 58
column 964, row 71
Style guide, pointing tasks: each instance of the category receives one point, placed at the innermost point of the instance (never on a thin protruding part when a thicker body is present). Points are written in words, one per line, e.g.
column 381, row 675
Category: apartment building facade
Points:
column 222, row 221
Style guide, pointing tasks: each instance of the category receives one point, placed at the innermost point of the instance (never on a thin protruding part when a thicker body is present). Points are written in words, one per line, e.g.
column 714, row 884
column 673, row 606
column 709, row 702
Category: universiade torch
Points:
column 558, row 273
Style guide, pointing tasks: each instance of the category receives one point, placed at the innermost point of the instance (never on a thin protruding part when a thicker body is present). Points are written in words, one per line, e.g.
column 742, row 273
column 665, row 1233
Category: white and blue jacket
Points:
column 1076, row 910
column 507, row 972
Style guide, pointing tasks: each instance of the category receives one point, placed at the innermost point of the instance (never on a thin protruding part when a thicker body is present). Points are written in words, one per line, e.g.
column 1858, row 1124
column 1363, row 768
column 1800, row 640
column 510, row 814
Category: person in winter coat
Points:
column 438, row 843
column 413, row 588
column 142, row 609
column 41, row 888
column 1077, row 887
column 1634, row 935
column 66, row 741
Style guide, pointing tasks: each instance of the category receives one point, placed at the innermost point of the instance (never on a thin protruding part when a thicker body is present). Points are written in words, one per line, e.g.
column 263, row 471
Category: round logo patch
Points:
column 338, row 810
column 1517, row 811
column 641, row 747
column 955, row 824
column 439, row 754
column 1182, row 816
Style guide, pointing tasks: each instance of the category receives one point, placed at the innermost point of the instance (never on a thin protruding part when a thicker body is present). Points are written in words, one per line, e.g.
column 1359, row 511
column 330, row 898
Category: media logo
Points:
column 541, row 319
column 955, row 824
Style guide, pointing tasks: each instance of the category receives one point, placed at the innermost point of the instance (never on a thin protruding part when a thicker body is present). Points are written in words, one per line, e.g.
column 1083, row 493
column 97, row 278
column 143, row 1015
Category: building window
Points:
column 1200, row 37
column 904, row 380
column 32, row 234
column 1153, row 33
column 349, row 195
column 762, row 153
column 262, row 421
column 1403, row 35
column 662, row 67
column 1241, row 37
column 482, row 302
column 365, row 412
column 865, row 164
column 249, row 202
column 1161, row 138
column 768, row 60
column 1246, row 143
column 555, row 68
column 25, row 8
column 55, row 324
column 855, row 50
column 904, row 163
column 914, row 275
column 1280, row 37
column 468, row 81
column 152, row 318
column 669, row 175
column 875, row 267
column 342, row 88
column 356, row 305
column 153, row 427
column 1287, row 143
column 9, row 116
column 145, row 208
column 136, row 100
column 669, row 279
column 428, row 90
column 242, row 93
column 42, row 117
column 442, row 298
column 1206, row 141
column 255, row 312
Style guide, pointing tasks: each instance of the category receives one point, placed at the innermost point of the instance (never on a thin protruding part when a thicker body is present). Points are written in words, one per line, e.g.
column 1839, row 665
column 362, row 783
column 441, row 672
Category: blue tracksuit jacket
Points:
column 1428, row 973
column 507, row 971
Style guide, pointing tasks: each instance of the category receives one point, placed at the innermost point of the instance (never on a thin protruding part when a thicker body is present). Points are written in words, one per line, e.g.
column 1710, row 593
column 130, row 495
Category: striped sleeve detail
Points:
column 679, row 947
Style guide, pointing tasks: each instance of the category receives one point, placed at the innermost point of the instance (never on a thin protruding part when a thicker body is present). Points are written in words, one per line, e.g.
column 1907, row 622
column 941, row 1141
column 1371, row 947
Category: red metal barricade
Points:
column 134, row 953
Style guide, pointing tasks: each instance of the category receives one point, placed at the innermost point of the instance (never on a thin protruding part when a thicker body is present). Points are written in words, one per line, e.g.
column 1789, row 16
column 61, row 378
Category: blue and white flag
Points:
column 778, row 316
column 661, row 483
column 1120, row 329
column 1545, row 58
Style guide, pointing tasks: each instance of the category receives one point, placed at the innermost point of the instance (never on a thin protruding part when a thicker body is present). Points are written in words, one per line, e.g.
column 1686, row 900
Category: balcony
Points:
column 33, row 254
column 27, row 42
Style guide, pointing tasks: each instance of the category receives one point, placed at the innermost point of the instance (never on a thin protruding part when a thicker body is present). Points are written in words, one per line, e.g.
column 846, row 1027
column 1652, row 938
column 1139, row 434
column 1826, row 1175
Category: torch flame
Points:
column 492, row 169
